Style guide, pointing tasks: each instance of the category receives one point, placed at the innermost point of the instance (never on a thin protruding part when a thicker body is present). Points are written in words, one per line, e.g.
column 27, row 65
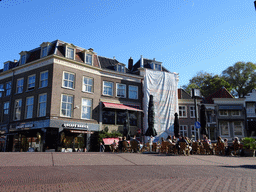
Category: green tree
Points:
column 207, row 83
column 242, row 77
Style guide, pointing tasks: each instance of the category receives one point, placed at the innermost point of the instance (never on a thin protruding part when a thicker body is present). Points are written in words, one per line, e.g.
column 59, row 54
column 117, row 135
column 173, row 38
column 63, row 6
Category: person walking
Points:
column 102, row 147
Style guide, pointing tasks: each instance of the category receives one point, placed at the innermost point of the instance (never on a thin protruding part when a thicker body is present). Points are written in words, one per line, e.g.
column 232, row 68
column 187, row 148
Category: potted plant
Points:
column 249, row 146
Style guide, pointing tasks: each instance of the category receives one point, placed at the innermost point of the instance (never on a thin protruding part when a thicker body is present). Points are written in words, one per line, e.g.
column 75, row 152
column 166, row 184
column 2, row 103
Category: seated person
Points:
column 120, row 144
column 169, row 139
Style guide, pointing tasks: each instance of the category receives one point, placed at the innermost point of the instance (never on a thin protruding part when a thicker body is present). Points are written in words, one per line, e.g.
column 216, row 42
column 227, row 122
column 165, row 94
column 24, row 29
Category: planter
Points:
column 249, row 152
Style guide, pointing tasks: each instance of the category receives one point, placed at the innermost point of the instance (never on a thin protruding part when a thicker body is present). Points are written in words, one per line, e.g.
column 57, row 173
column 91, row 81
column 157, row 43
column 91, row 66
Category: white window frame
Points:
column 242, row 127
column 67, row 103
column 183, row 116
column 68, row 80
column 239, row 113
column 193, row 132
column 137, row 92
column 117, row 90
column 19, row 86
column 182, row 131
column 8, row 89
column 104, row 87
column 87, row 60
column 192, row 111
column 220, row 129
column 28, row 83
column 41, row 103
column 120, row 68
column 86, row 106
column 43, row 80
column 220, row 113
column 85, row 86
column 69, row 54
column 16, row 108
column 29, row 105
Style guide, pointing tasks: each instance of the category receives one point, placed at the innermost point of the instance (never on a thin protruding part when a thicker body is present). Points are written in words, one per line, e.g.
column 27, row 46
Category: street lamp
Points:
column 196, row 94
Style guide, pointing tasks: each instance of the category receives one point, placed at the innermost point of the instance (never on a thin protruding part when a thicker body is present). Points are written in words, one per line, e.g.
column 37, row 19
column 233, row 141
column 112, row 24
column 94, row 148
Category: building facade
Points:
column 59, row 95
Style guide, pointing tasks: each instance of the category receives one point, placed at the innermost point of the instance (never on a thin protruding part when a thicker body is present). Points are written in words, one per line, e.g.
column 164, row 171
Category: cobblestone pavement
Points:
column 125, row 172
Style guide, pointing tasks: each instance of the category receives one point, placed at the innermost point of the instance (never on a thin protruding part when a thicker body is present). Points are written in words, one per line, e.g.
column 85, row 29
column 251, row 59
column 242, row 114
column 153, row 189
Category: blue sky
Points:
column 186, row 35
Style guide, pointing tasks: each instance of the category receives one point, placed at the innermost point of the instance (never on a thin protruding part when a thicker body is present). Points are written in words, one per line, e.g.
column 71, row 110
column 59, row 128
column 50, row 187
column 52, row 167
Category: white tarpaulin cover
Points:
column 164, row 87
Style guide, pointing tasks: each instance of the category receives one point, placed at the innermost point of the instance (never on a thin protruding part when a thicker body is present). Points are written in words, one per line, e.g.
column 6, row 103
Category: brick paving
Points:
column 125, row 172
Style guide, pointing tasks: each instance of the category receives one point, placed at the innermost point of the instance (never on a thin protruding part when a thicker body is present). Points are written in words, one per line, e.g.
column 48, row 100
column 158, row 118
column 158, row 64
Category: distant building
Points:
column 250, row 104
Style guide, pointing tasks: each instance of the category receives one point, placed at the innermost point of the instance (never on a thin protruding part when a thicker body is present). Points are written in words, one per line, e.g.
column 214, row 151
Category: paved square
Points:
column 125, row 172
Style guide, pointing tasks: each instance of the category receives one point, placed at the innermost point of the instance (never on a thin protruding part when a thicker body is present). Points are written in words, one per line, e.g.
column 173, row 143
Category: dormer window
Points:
column 44, row 51
column 70, row 51
column 6, row 66
column 156, row 66
column 45, row 48
column 120, row 68
column 23, row 57
column 88, row 59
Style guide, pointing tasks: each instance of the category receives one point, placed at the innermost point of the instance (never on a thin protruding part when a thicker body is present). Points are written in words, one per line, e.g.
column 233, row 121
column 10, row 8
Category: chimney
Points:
column 114, row 57
column 130, row 63
column 91, row 49
column 141, row 62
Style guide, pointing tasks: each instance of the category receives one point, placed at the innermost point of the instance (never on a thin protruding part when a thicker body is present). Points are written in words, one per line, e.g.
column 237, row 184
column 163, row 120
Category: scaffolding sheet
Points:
column 164, row 88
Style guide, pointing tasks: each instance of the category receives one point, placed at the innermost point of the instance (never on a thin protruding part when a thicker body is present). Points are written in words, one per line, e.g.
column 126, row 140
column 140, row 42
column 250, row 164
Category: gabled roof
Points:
column 146, row 63
column 182, row 94
column 221, row 93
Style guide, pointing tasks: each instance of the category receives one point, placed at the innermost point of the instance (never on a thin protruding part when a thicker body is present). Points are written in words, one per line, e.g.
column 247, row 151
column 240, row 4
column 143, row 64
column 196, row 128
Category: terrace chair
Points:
column 220, row 149
column 235, row 150
column 207, row 148
column 164, row 147
column 126, row 148
column 154, row 147
column 184, row 148
column 195, row 148
column 134, row 146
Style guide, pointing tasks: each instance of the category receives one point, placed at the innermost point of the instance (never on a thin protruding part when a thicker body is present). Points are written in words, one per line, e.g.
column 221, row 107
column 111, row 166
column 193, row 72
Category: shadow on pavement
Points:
column 241, row 166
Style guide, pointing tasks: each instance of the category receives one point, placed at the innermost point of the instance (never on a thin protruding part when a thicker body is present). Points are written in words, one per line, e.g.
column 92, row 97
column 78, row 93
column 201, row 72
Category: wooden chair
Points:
column 154, row 147
column 126, row 148
column 184, row 148
column 207, row 148
column 172, row 149
column 195, row 148
column 134, row 146
column 164, row 147
column 220, row 149
column 235, row 150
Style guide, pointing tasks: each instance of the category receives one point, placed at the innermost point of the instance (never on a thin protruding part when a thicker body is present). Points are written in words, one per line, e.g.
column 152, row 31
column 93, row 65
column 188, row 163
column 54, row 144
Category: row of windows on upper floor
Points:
column 108, row 87
column 224, row 129
column 183, row 112
column 31, row 81
column 41, row 109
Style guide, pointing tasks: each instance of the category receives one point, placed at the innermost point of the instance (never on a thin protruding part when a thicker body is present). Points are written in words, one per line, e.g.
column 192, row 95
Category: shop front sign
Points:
column 25, row 125
column 74, row 125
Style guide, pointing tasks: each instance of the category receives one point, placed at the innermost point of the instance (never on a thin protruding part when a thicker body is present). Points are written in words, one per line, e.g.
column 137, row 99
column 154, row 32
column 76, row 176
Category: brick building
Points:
column 59, row 94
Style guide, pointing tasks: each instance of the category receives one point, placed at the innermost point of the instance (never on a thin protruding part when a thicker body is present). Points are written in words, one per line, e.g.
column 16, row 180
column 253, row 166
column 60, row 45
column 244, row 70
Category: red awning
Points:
column 122, row 106
column 109, row 141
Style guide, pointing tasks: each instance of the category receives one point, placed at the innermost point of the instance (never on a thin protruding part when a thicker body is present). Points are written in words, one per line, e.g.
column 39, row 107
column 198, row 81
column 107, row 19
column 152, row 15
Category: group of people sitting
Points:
column 122, row 144
column 228, row 150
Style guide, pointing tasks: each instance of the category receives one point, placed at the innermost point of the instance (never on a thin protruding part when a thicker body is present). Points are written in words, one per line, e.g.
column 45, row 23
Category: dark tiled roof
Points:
column 221, row 93
column 34, row 55
column 182, row 94
column 107, row 63
column 146, row 63
column 96, row 61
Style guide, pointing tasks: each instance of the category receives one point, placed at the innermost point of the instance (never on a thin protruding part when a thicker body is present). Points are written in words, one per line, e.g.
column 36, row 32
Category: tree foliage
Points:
column 242, row 77
column 207, row 83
